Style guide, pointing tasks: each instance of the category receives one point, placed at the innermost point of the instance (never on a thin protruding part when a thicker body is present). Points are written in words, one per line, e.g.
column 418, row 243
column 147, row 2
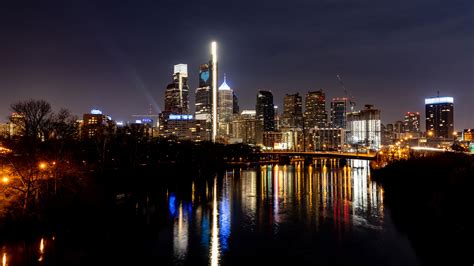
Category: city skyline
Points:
column 121, row 72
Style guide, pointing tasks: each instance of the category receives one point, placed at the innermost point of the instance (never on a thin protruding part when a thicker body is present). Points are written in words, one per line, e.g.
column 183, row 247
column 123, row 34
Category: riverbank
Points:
column 431, row 202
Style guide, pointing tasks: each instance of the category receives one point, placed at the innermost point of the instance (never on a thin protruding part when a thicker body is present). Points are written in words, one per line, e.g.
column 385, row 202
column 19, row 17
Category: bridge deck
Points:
column 348, row 155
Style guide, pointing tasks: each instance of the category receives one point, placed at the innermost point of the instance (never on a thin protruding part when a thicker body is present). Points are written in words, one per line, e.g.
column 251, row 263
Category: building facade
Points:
column 182, row 127
column 327, row 139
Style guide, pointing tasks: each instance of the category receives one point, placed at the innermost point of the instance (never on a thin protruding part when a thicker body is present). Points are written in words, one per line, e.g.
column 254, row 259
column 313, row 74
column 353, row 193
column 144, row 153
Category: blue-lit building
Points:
column 439, row 117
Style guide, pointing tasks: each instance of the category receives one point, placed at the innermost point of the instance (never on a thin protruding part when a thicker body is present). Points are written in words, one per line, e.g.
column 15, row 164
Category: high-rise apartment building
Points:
column 439, row 117
column 315, row 114
column 292, row 111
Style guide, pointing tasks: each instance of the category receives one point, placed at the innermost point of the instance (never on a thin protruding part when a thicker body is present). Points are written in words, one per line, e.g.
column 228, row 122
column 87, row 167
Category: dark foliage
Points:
column 431, row 201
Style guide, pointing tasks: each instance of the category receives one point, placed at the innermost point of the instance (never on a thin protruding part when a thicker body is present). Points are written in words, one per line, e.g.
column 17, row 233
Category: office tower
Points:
column 225, row 108
column 176, row 94
column 364, row 128
column 412, row 122
column 315, row 114
column 265, row 111
column 292, row 111
column 338, row 112
column 439, row 117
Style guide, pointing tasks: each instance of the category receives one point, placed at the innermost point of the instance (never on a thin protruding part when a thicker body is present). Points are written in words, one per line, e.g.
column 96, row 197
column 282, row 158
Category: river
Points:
column 269, row 215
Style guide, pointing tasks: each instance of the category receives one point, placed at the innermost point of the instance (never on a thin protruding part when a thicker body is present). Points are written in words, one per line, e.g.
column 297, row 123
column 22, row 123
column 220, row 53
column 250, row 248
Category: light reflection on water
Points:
column 245, row 209
column 343, row 197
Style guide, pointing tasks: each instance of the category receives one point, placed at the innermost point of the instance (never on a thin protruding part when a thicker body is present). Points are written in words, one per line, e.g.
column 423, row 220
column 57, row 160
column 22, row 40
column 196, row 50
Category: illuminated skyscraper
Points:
column 225, row 108
column 412, row 122
column 439, row 117
column 176, row 95
column 338, row 112
column 203, row 103
column 292, row 111
column 315, row 114
column 206, row 94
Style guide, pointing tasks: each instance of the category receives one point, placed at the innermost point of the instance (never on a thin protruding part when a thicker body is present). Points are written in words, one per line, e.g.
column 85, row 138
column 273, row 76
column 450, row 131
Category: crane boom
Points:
column 351, row 99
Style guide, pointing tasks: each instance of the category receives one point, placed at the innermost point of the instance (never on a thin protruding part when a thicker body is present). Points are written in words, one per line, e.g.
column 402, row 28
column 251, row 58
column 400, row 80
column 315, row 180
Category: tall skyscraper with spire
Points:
column 225, row 108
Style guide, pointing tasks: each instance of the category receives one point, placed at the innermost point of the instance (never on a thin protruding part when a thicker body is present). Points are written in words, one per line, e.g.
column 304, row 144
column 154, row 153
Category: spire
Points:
column 224, row 85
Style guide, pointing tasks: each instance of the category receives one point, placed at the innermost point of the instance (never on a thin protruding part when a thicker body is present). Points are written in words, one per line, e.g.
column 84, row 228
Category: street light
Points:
column 5, row 179
column 42, row 165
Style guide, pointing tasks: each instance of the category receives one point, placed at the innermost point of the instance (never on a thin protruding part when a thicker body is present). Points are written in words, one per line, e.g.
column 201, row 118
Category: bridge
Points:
column 283, row 156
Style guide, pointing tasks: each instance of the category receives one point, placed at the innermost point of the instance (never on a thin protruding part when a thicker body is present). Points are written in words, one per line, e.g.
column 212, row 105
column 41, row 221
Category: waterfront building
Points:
column 327, row 139
column 364, row 128
column 338, row 112
column 315, row 114
column 439, row 117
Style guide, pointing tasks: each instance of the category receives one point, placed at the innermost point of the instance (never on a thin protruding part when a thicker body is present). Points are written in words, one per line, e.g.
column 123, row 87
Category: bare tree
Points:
column 32, row 118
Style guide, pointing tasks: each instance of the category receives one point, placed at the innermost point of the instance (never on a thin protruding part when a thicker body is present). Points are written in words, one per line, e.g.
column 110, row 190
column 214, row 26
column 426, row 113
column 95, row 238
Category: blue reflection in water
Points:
column 224, row 222
column 205, row 231
column 172, row 204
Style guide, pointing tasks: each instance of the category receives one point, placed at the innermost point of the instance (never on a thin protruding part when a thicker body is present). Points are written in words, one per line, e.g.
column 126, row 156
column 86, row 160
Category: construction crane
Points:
column 349, row 97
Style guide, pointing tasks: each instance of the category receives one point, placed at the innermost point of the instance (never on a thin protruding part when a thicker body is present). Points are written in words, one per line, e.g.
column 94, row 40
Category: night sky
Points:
column 119, row 57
